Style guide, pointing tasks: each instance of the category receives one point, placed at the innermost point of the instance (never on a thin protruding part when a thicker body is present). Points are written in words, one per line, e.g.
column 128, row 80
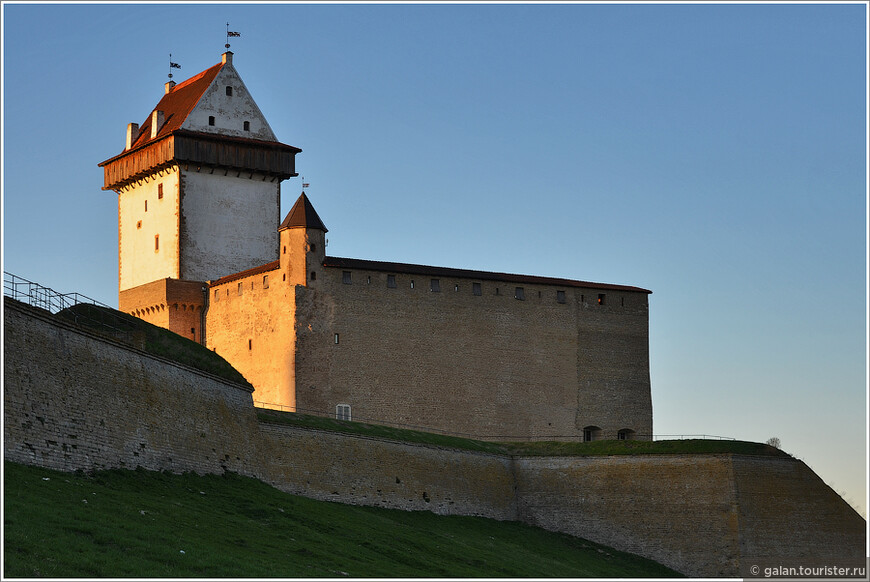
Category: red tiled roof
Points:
column 177, row 105
column 344, row 263
column 246, row 273
column 303, row 215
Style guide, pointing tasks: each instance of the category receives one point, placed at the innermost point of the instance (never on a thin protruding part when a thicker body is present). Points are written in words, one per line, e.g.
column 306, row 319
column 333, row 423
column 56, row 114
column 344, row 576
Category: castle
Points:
column 203, row 252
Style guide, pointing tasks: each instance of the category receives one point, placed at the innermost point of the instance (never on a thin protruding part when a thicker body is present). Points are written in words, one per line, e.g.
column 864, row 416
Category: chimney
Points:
column 169, row 86
column 227, row 57
column 132, row 134
column 156, row 122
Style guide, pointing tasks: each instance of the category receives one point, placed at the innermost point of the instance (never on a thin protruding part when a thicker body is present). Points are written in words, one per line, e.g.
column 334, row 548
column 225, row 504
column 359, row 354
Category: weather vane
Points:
column 304, row 183
column 229, row 34
column 172, row 66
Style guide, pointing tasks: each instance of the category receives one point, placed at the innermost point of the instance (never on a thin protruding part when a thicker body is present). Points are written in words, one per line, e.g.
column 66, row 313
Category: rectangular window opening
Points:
column 435, row 286
column 246, row 126
column 156, row 242
column 265, row 281
column 336, row 339
column 160, row 191
column 346, row 278
column 475, row 289
column 240, row 288
column 602, row 299
column 250, row 345
column 211, row 119
column 391, row 281
column 560, row 296
column 342, row 412
column 520, row 293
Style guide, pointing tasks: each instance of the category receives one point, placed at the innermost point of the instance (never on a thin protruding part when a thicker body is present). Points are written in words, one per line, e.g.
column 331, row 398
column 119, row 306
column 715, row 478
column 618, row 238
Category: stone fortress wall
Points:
column 492, row 359
column 76, row 400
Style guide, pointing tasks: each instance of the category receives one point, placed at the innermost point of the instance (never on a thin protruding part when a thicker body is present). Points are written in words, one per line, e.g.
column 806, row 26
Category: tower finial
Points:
column 229, row 34
column 172, row 66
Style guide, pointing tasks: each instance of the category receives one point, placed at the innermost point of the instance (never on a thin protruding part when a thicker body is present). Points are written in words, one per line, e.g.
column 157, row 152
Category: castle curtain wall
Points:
column 250, row 322
column 504, row 364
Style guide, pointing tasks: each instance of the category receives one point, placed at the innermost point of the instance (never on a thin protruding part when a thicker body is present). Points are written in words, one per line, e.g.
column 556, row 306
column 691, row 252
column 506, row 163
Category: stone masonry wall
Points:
column 680, row 510
column 491, row 366
column 75, row 400
column 362, row 471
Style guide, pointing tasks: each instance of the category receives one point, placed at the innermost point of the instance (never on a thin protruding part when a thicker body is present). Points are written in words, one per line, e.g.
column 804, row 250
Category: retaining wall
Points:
column 76, row 400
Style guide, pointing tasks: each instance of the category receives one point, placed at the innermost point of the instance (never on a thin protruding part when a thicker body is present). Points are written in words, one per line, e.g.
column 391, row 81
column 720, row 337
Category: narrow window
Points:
column 496, row 291
column 229, row 91
column 369, row 280
column 160, row 191
column 211, row 119
column 412, row 283
column 249, row 345
column 146, row 206
column 313, row 276
column 312, row 247
column 336, row 339
column 193, row 333
column 285, row 249
column 346, row 278
column 475, row 289
column 560, row 297
column 601, row 298
column 435, row 286
column 622, row 301
column 284, row 277
column 138, row 224
column 520, row 293
column 247, row 126
column 456, row 288
column 342, row 412
column 156, row 242
column 582, row 298
column 265, row 281
column 216, row 296
column 240, row 288
column 391, row 281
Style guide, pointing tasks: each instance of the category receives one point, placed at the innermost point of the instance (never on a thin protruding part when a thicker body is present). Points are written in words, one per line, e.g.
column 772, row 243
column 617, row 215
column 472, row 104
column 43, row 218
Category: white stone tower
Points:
column 198, row 187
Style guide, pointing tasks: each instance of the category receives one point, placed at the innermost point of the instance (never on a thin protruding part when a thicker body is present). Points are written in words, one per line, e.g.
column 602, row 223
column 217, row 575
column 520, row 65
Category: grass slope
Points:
column 157, row 340
column 148, row 524
column 539, row 448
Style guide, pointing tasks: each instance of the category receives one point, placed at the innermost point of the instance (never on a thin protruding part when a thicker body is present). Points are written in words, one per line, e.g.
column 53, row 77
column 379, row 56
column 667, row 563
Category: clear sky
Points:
column 715, row 154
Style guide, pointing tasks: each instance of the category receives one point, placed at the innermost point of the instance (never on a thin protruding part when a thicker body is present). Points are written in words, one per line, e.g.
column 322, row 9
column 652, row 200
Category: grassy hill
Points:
column 149, row 524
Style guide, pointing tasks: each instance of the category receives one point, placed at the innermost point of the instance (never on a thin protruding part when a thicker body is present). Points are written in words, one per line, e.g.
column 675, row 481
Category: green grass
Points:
column 539, row 448
column 149, row 524
column 157, row 340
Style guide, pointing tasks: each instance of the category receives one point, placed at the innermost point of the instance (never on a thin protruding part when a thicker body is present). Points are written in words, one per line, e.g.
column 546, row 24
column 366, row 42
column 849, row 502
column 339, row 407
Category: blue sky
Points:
column 714, row 154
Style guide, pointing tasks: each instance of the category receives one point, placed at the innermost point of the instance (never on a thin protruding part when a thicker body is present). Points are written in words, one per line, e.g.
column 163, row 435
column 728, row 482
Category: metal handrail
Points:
column 573, row 437
column 39, row 296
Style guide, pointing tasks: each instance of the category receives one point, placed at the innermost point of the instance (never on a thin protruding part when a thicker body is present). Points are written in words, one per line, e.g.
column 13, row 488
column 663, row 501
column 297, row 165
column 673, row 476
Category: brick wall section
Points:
column 489, row 366
column 679, row 510
column 73, row 400
column 172, row 304
column 784, row 495
column 363, row 471
column 250, row 323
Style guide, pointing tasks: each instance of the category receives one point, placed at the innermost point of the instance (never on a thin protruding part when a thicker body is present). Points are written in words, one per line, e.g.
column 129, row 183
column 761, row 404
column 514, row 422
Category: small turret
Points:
column 302, row 243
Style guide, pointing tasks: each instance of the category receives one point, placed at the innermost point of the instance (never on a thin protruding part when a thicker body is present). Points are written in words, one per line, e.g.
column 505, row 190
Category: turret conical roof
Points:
column 303, row 215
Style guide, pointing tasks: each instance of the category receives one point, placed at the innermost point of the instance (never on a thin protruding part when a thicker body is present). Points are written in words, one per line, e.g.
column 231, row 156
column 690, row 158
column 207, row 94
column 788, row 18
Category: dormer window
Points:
column 229, row 91
column 211, row 119
column 247, row 126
